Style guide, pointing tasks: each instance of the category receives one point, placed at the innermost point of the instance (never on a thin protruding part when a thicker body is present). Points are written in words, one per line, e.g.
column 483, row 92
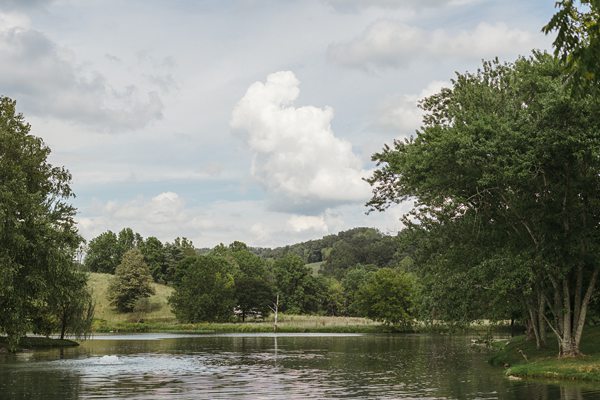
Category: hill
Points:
column 159, row 307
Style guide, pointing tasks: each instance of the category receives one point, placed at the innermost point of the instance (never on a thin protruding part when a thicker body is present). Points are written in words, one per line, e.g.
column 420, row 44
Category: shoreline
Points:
column 29, row 343
column 523, row 361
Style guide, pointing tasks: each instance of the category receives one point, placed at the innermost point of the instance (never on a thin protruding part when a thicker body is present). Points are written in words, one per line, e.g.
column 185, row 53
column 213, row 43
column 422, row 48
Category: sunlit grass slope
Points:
column 159, row 307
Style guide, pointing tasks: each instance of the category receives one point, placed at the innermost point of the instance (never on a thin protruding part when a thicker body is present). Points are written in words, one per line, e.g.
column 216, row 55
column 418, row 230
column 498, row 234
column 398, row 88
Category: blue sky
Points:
column 240, row 120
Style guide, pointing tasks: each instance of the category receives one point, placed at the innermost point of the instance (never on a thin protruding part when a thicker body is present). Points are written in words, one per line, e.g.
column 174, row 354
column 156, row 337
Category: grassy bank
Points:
column 286, row 323
column 544, row 364
column 32, row 343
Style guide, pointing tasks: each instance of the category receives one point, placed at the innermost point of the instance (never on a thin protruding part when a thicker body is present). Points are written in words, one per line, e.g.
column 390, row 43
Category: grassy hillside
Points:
column 159, row 307
column 315, row 267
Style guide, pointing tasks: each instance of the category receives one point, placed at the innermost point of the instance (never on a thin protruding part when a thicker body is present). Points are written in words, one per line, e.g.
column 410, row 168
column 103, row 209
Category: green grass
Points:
column 160, row 309
column 545, row 364
column 315, row 267
column 286, row 323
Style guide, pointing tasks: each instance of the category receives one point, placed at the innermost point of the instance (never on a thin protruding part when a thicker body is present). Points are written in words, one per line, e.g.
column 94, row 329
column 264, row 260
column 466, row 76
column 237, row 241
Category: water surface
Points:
column 266, row 366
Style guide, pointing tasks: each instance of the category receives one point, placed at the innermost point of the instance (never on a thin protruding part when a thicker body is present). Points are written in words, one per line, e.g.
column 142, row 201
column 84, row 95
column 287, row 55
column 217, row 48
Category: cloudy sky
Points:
column 250, row 120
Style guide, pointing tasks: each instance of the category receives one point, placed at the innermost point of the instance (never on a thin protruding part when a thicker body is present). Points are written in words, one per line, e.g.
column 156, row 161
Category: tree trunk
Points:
column 532, row 322
column 63, row 327
column 570, row 313
column 276, row 312
column 541, row 320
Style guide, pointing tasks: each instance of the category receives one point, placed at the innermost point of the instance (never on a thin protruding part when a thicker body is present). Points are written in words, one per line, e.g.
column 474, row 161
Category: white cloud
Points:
column 297, row 157
column 402, row 114
column 47, row 82
column 301, row 223
column 168, row 215
column 392, row 44
column 355, row 5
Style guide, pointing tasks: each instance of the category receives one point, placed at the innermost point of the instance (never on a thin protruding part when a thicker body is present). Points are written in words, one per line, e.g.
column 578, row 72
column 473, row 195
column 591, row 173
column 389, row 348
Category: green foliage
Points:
column 507, row 167
column 72, row 305
column 577, row 41
column 101, row 253
column 156, row 257
column 37, row 230
column 106, row 250
column 360, row 246
column 387, row 295
column 299, row 290
column 333, row 300
column 352, row 281
column 254, row 288
column 205, row 290
column 132, row 282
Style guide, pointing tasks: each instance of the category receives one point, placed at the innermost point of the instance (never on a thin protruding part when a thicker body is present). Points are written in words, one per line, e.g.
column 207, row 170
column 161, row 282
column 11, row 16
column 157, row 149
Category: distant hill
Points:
column 335, row 253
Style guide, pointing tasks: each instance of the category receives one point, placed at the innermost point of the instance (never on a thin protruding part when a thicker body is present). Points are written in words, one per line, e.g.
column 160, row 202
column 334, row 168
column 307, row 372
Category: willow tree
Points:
column 514, row 152
column 38, row 237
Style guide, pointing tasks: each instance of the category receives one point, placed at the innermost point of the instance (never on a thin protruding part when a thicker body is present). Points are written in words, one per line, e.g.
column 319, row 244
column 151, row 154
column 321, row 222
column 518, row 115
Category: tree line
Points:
column 232, row 282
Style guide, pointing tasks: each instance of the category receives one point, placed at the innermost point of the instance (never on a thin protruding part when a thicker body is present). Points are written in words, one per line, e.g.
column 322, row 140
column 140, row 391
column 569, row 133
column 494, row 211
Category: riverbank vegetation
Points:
column 522, row 359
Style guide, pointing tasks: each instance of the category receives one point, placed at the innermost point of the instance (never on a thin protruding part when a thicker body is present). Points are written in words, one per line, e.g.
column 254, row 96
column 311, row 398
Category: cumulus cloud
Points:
column 46, row 82
column 401, row 113
column 392, row 44
column 297, row 157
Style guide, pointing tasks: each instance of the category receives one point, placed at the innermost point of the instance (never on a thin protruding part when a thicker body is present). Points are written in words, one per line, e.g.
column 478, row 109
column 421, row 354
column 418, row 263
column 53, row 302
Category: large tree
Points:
column 254, row 288
column 387, row 295
column 205, row 289
column 102, row 255
column 132, row 281
column 513, row 151
column 38, row 237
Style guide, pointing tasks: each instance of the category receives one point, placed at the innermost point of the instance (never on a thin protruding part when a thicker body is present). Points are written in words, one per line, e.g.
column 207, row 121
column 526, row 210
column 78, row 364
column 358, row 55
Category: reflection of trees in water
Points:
column 570, row 393
column 35, row 384
column 541, row 391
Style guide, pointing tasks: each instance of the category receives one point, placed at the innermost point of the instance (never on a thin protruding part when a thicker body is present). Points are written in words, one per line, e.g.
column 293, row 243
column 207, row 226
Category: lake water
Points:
column 263, row 366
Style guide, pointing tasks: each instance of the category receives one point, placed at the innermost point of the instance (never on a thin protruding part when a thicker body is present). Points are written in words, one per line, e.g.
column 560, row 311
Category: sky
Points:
column 250, row 120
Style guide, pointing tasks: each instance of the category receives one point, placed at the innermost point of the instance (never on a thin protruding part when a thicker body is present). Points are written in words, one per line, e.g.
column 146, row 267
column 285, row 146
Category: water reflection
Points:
column 269, row 367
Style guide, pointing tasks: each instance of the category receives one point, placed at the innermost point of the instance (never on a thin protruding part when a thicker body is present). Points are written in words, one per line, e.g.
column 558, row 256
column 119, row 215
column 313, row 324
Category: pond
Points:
column 267, row 366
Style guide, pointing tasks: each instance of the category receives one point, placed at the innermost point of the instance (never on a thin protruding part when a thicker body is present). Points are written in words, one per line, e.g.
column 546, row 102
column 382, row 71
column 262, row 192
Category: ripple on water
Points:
column 110, row 365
